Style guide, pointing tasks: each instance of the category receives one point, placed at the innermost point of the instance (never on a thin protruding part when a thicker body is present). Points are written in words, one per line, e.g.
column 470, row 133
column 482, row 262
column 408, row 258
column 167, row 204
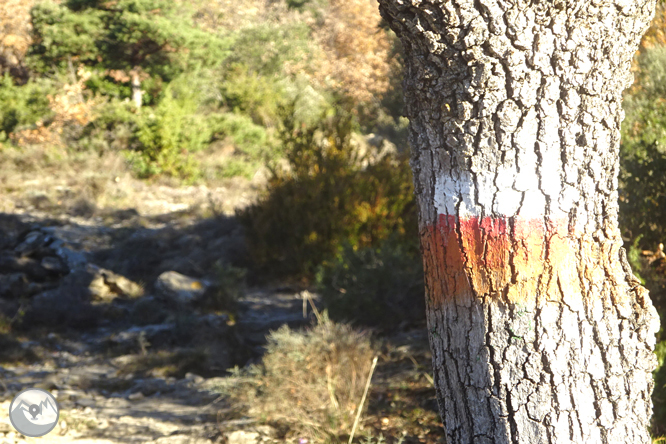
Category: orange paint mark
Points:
column 500, row 256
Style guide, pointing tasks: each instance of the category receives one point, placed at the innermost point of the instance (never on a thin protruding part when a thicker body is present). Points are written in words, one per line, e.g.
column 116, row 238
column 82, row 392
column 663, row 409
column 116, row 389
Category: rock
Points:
column 138, row 338
column 54, row 264
column 120, row 285
column 13, row 285
column 67, row 395
column 181, row 439
column 72, row 258
column 23, row 265
column 136, row 396
column 180, row 288
column 194, row 378
column 65, row 306
column 243, row 437
column 266, row 430
column 32, row 242
column 216, row 321
column 150, row 387
column 261, row 176
column 102, row 284
column 85, row 402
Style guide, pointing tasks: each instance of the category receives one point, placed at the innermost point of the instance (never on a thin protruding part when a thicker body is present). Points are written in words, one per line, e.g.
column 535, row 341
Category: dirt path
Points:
column 125, row 381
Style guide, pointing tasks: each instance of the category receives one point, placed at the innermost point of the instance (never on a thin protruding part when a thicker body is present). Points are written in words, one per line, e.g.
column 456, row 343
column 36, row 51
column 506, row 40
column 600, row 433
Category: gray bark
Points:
column 137, row 94
column 540, row 332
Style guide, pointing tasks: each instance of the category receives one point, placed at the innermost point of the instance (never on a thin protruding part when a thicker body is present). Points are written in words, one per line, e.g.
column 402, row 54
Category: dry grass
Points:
column 292, row 389
column 310, row 381
column 56, row 180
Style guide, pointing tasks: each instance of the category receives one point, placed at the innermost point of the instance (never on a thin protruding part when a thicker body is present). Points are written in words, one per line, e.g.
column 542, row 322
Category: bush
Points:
column 643, row 153
column 643, row 194
column 267, row 48
column 22, row 106
column 249, row 139
column 325, row 200
column 380, row 287
column 311, row 381
column 229, row 285
column 156, row 35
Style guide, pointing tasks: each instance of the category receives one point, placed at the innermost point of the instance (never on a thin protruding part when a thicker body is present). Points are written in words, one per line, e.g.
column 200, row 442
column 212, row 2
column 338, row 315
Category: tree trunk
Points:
column 137, row 94
column 539, row 330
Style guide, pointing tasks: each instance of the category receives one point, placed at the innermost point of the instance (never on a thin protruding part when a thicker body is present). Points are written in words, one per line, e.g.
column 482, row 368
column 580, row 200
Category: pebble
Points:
column 135, row 396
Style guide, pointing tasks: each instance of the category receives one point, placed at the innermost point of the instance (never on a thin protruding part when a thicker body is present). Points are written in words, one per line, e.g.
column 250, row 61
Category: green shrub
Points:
column 310, row 381
column 255, row 79
column 227, row 289
column 380, row 287
column 248, row 138
column 643, row 194
column 250, row 93
column 22, row 106
column 643, row 152
column 158, row 36
column 158, row 140
column 265, row 48
column 325, row 200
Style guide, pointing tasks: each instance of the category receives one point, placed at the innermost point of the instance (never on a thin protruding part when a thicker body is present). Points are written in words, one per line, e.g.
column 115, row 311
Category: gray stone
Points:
column 32, row 242
column 54, row 264
column 22, row 265
column 13, row 285
column 72, row 258
column 181, row 439
column 139, row 338
column 121, row 285
column 103, row 285
column 180, row 288
column 243, row 437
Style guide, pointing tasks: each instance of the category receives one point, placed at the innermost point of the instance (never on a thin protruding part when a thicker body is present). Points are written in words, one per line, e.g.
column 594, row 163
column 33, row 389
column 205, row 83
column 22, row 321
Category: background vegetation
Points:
column 307, row 91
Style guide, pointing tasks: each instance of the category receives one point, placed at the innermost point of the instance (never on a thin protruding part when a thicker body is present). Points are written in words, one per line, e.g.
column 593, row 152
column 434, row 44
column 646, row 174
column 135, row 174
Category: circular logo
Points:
column 34, row 412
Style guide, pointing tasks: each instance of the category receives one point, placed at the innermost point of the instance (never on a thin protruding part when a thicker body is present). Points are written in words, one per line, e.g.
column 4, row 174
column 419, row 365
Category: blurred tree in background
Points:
column 15, row 28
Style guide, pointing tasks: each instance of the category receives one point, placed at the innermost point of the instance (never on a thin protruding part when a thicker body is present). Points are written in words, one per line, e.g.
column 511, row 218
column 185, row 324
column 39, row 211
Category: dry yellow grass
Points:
column 311, row 381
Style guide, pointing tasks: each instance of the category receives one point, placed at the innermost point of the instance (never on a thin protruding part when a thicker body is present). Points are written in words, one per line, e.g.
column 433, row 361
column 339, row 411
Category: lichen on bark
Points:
column 539, row 330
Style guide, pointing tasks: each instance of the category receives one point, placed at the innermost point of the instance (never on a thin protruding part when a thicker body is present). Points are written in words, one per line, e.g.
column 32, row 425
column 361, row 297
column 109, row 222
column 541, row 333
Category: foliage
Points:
column 204, row 71
column 311, row 381
column 266, row 48
column 154, row 35
column 22, row 106
column 227, row 289
column 325, row 199
column 643, row 194
column 355, row 49
column 380, row 286
column 643, row 151
column 165, row 138
column 14, row 36
column 249, row 138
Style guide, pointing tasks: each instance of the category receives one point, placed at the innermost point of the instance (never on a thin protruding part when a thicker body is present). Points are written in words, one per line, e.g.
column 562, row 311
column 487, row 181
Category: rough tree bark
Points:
column 539, row 330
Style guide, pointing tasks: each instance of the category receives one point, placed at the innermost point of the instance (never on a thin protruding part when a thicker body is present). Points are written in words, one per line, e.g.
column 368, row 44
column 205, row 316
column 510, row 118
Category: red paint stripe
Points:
column 478, row 257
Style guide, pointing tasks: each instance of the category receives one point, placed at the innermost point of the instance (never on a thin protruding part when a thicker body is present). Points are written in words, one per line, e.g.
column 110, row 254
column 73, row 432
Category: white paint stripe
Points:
column 450, row 193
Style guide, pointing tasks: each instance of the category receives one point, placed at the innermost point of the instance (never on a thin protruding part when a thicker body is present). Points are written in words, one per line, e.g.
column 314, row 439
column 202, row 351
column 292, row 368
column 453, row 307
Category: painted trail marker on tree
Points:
column 540, row 332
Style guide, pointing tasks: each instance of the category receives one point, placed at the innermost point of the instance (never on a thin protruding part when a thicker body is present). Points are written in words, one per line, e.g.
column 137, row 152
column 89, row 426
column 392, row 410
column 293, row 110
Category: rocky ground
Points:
column 139, row 284
column 117, row 296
